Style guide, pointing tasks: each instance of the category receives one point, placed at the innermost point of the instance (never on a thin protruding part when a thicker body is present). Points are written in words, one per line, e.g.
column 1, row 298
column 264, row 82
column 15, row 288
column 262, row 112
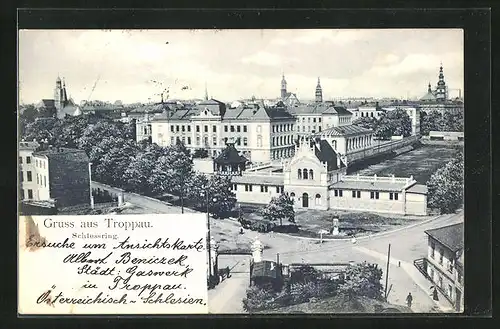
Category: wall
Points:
column 436, row 270
column 69, row 180
column 379, row 148
column 382, row 205
column 311, row 191
column 416, row 204
column 203, row 165
column 24, row 167
column 42, row 178
column 255, row 196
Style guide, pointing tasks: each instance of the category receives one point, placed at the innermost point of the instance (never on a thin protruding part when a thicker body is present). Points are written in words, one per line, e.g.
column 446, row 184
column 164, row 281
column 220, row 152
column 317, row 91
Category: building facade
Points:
column 61, row 175
column 314, row 118
column 445, row 262
column 27, row 183
column 262, row 134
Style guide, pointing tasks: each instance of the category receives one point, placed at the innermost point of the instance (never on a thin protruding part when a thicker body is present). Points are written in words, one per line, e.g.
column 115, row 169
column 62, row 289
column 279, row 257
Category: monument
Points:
column 335, row 226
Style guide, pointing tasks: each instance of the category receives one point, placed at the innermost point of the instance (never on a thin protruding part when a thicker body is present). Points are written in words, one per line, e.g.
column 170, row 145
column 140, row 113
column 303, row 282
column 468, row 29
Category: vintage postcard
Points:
column 241, row 171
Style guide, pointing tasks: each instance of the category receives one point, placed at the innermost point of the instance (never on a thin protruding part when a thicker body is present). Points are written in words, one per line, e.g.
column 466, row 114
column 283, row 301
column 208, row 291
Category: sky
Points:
column 137, row 65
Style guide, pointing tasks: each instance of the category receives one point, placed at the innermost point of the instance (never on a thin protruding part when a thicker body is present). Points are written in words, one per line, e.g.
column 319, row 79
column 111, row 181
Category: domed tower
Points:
column 441, row 93
column 283, row 87
column 319, row 93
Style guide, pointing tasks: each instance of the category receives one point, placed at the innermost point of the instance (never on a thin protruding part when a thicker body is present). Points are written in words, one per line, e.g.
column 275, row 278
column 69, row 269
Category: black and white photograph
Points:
column 328, row 163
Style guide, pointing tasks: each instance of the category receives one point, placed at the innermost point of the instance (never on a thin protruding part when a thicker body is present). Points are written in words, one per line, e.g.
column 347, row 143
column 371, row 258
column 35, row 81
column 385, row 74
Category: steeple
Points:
column 206, row 92
column 441, row 89
column 283, row 87
column 319, row 93
column 429, row 90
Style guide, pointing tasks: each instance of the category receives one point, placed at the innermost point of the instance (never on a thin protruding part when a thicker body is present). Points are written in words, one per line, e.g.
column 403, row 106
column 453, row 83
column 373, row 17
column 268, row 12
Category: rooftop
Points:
column 259, row 179
column 349, row 130
column 364, row 185
column 62, row 152
column 451, row 236
column 230, row 155
column 418, row 189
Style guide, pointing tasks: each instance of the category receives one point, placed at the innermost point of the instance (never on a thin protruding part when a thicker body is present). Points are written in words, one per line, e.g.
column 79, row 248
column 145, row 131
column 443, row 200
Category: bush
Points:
column 290, row 228
column 259, row 299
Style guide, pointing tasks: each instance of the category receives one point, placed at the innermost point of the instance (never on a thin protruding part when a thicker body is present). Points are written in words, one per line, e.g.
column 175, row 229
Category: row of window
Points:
column 28, row 160
column 39, row 180
column 282, row 128
column 305, row 174
column 227, row 128
column 282, row 140
column 29, row 176
column 187, row 141
column 263, row 188
column 309, row 129
column 309, row 120
column 305, row 199
column 373, row 195
column 30, row 194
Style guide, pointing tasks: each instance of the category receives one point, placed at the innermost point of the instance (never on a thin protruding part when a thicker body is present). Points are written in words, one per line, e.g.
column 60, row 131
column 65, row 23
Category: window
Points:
column 20, row 160
column 28, row 175
column 177, row 128
column 304, row 173
column 259, row 141
column 189, row 141
column 432, row 274
column 314, row 120
column 319, row 128
column 205, row 128
column 299, row 174
column 440, row 281
column 36, row 163
column 336, row 192
column 311, row 174
column 183, row 140
column 205, row 140
column 214, row 129
column 441, row 252
column 198, row 140
column 318, row 200
column 238, row 129
column 45, row 181
column 353, row 194
column 172, row 140
column 238, row 141
column 171, row 128
column 244, row 129
column 319, row 119
column 43, row 163
column 391, row 196
column 340, row 192
column 292, row 196
column 30, row 194
column 235, row 187
column 450, row 290
column 263, row 188
column 189, row 128
column 248, row 188
column 197, row 129
column 232, row 129
column 225, row 128
column 374, row 195
column 214, row 141
column 22, row 194
column 21, row 176
column 358, row 194
column 433, row 246
column 259, row 128
column 245, row 141
column 183, row 128
column 37, row 180
column 395, row 196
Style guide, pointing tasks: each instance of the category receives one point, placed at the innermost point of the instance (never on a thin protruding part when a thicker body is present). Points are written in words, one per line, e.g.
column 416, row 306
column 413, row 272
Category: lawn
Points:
column 420, row 163
column 350, row 223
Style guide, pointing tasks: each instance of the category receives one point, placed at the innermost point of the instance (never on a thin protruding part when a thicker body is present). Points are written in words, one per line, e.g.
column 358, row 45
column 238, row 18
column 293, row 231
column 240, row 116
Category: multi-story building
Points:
column 27, row 183
column 368, row 111
column 445, row 262
column 413, row 112
column 314, row 118
column 61, row 175
column 261, row 133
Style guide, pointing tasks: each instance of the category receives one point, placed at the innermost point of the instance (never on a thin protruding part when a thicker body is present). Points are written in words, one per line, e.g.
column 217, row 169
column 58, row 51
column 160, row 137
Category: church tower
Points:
column 319, row 93
column 429, row 90
column 441, row 92
column 60, row 96
column 206, row 92
column 283, row 87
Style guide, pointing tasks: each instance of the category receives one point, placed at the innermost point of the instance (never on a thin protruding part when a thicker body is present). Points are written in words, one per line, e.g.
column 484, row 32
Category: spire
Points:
column 429, row 90
column 206, row 91
column 319, row 93
column 319, row 83
column 283, row 86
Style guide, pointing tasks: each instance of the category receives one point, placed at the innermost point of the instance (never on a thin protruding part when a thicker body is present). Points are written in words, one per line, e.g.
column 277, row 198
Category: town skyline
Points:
column 239, row 64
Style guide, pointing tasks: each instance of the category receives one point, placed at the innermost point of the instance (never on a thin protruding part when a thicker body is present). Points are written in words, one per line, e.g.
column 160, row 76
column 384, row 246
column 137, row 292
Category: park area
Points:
column 421, row 162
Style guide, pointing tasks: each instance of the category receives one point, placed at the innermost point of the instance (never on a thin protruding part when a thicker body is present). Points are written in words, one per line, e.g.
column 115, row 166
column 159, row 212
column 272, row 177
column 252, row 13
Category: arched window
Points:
column 299, row 174
column 311, row 174
column 304, row 173
column 292, row 196
column 317, row 200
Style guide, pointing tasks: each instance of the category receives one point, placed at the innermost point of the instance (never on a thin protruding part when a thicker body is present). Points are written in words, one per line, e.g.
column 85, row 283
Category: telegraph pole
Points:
column 387, row 271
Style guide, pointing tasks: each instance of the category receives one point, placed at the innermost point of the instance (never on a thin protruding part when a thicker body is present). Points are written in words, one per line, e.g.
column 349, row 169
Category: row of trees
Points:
column 392, row 123
column 437, row 121
column 143, row 167
column 446, row 186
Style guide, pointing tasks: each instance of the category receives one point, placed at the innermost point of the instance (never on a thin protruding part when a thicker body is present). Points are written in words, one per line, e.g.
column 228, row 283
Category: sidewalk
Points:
column 406, row 278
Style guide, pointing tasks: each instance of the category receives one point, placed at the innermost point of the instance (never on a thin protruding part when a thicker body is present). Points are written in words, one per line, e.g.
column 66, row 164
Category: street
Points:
column 407, row 244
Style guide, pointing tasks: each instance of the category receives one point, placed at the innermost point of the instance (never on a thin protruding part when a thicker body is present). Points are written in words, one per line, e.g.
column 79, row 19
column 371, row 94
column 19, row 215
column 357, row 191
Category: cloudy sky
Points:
column 237, row 64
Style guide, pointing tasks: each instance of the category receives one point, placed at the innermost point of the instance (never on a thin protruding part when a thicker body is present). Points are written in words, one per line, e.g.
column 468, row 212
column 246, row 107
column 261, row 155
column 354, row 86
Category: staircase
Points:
column 421, row 265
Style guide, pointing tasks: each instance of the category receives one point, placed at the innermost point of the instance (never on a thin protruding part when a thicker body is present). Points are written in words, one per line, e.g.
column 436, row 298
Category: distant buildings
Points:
column 445, row 262
column 437, row 99
column 60, row 106
column 59, row 175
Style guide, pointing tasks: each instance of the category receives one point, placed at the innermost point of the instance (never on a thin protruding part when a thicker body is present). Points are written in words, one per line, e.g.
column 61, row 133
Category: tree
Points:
column 217, row 189
column 446, row 186
column 49, row 129
column 200, row 153
column 453, row 121
column 279, row 208
column 136, row 176
column 111, row 158
column 172, row 173
column 394, row 123
column 362, row 279
column 94, row 134
column 366, row 122
column 431, row 121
